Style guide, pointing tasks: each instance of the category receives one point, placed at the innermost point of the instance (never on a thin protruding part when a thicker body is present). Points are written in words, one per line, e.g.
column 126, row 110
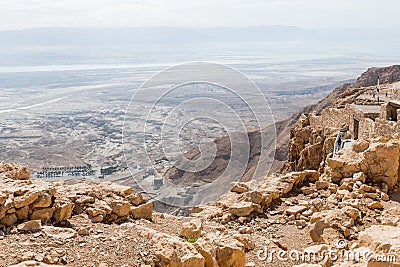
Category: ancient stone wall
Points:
column 331, row 117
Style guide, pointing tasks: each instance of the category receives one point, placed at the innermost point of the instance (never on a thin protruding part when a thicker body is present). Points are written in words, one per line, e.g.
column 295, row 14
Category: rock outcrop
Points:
column 22, row 199
column 377, row 159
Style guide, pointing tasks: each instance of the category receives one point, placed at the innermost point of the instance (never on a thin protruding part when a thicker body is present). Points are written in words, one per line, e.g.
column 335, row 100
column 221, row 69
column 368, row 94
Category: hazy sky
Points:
column 308, row 14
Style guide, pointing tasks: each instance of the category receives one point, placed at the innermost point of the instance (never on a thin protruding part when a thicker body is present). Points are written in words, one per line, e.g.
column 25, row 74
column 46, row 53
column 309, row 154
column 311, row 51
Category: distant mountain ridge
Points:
column 125, row 36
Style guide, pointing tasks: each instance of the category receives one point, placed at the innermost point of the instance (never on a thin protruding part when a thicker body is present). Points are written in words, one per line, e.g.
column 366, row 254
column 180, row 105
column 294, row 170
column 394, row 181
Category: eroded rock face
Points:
column 22, row 199
column 308, row 146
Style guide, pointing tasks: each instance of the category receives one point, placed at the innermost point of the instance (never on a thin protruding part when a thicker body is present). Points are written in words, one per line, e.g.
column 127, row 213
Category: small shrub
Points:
column 192, row 239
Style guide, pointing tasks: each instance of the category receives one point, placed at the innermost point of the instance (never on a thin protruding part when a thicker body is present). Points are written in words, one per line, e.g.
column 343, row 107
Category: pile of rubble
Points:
column 246, row 200
column 194, row 247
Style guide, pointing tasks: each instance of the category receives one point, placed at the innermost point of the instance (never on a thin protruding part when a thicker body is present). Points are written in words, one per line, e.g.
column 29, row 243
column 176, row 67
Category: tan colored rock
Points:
column 118, row 189
column 94, row 212
column 311, row 175
column 380, row 162
column 391, row 216
column 227, row 217
column 375, row 205
column 3, row 197
column 83, row 231
column 144, row 211
column 173, row 252
column 59, row 232
column 360, row 176
column 22, row 213
column 30, row 226
column 165, row 254
column 207, row 250
column 103, row 205
column 239, row 187
column 254, row 197
column 267, row 199
column 301, row 223
column 62, row 210
column 352, row 212
column 191, row 229
column 335, row 163
column 231, row 254
column 241, row 209
column 9, row 219
column 8, row 205
column 360, row 145
column 25, row 199
column 374, row 196
column 136, row 199
column 120, row 208
column 296, row 209
column 84, row 199
column 307, row 190
column 97, row 219
column 246, row 240
column 14, row 171
column 42, row 214
column 322, row 185
column 44, row 200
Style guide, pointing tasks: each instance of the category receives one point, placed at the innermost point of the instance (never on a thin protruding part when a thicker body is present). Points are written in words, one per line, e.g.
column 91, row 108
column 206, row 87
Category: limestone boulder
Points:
column 9, row 219
column 44, row 214
column 144, row 211
column 230, row 253
column 25, row 199
column 174, row 252
column 241, row 209
column 207, row 250
column 22, row 213
column 62, row 210
column 296, row 209
column 120, row 207
column 30, row 226
column 191, row 229
column 165, row 254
